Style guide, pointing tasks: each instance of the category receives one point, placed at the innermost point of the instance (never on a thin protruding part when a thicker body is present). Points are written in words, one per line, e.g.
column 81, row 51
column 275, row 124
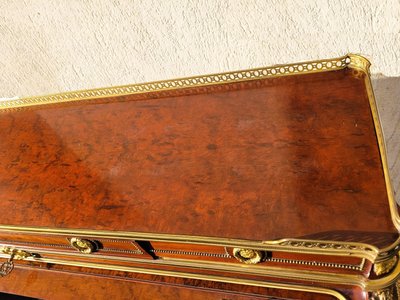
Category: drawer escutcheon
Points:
column 83, row 245
column 248, row 256
column 15, row 254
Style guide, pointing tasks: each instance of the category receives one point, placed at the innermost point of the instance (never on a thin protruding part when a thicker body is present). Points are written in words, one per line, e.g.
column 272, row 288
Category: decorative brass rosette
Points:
column 248, row 256
column 82, row 245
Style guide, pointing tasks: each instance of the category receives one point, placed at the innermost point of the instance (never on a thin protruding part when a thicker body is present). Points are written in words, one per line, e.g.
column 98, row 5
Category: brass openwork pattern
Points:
column 196, row 81
column 326, row 245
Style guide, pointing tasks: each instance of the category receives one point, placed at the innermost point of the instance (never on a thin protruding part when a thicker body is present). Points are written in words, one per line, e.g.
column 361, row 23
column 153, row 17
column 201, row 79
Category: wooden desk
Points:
column 269, row 182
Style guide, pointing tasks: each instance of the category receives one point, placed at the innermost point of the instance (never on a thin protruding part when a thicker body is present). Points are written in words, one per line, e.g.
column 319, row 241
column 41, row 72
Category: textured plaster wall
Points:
column 51, row 46
column 54, row 46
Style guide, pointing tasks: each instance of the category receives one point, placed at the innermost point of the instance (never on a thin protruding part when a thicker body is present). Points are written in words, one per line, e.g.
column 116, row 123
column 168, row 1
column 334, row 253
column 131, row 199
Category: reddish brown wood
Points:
column 104, row 246
column 229, row 164
column 290, row 157
column 98, row 284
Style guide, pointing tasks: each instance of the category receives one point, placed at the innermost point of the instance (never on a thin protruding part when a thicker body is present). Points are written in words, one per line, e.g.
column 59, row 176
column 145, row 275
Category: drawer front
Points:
column 177, row 257
column 73, row 244
column 123, row 252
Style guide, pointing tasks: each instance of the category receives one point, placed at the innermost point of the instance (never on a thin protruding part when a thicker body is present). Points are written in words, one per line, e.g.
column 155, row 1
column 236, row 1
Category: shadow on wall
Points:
column 387, row 94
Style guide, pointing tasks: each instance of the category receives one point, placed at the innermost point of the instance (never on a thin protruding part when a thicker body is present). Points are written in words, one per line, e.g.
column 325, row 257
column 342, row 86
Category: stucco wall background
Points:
column 52, row 46
column 56, row 46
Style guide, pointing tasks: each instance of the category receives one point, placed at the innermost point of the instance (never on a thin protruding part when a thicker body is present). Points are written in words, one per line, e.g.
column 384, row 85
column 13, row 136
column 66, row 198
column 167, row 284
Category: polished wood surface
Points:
column 168, row 194
column 98, row 284
column 261, row 160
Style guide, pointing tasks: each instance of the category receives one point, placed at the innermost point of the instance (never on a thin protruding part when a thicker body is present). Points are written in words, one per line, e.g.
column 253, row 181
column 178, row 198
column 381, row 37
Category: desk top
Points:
column 282, row 152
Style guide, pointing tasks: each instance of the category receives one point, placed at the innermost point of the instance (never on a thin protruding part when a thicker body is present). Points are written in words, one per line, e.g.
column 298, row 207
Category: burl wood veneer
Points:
column 263, row 183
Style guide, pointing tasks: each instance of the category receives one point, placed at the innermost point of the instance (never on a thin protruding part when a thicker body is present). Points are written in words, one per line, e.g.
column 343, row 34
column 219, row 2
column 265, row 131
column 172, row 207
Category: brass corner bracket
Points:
column 358, row 62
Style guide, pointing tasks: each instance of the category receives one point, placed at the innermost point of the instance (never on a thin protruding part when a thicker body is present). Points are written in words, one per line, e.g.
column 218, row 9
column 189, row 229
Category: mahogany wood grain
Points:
column 68, row 284
column 289, row 157
column 258, row 161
